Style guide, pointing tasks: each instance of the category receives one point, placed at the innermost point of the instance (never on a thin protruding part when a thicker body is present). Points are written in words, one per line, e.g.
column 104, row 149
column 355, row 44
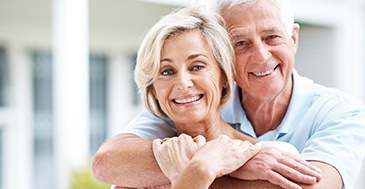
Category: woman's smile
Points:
column 187, row 99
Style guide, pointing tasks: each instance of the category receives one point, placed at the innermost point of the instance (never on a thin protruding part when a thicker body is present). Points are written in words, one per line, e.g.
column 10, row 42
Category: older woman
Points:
column 185, row 72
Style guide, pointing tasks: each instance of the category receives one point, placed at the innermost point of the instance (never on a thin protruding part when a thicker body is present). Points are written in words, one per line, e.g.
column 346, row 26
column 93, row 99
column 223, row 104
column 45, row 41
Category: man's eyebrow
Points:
column 270, row 30
column 266, row 31
column 237, row 35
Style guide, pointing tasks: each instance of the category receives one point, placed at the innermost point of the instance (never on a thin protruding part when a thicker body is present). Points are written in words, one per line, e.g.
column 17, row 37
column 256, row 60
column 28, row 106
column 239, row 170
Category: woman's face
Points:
column 189, row 85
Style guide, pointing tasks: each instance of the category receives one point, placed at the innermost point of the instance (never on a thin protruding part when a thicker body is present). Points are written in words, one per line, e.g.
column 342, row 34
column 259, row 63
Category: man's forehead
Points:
column 242, row 32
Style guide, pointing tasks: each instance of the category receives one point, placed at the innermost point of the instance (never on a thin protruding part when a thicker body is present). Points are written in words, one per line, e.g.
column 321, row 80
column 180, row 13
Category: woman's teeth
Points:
column 187, row 100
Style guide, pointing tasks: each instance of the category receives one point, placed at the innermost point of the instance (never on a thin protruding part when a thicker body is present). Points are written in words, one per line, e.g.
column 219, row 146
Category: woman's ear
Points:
column 153, row 91
column 224, row 88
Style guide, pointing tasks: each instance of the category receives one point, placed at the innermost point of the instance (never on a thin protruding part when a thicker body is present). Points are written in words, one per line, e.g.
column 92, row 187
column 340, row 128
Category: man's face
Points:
column 264, row 51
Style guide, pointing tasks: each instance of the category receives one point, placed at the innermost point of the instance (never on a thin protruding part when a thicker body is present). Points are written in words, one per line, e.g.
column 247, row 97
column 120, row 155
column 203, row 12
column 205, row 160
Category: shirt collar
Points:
column 299, row 104
column 300, row 100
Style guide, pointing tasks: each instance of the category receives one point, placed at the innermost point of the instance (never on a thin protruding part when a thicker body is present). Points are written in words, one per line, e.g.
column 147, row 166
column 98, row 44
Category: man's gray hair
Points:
column 285, row 7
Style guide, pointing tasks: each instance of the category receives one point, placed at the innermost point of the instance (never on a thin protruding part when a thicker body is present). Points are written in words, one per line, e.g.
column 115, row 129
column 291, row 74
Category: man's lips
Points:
column 264, row 73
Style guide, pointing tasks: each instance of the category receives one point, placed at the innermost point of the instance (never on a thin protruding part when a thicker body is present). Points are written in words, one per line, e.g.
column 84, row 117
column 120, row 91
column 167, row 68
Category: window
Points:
column 3, row 77
column 98, row 101
column 136, row 97
column 43, row 120
column 1, row 157
column 43, row 115
column 3, row 72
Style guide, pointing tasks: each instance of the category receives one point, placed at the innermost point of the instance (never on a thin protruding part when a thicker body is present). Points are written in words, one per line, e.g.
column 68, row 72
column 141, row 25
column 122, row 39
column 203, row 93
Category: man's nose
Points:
column 260, row 53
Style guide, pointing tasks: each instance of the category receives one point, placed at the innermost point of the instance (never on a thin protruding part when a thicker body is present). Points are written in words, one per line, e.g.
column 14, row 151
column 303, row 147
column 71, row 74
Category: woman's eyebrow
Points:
column 195, row 55
column 166, row 59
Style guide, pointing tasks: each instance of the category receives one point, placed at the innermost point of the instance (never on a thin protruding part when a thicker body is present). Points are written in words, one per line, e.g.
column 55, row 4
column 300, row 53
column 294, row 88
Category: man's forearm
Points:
column 232, row 183
column 127, row 160
column 331, row 179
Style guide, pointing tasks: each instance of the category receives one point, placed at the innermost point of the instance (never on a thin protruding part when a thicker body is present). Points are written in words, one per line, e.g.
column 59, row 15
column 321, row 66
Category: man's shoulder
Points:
column 335, row 96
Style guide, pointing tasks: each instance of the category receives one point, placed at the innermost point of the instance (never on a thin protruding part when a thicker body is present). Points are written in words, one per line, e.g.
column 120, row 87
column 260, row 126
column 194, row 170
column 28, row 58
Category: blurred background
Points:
column 66, row 80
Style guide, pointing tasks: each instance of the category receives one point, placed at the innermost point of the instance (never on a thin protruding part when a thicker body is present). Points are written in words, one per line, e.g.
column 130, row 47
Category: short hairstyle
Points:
column 189, row 18
column 285, row 7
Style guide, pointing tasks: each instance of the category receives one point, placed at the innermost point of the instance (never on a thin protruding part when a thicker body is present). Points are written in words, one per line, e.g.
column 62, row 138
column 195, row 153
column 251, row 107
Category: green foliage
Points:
column 84, row 179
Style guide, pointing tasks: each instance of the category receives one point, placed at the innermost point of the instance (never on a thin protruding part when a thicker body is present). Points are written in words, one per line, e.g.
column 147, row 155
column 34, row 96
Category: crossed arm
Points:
column 126, row 157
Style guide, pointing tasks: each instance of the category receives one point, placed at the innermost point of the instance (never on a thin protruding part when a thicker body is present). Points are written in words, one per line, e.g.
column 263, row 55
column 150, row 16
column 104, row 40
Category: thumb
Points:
column 200, row 140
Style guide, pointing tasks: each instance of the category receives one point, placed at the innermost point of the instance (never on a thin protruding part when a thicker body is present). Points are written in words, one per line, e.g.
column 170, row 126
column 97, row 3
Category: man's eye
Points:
column 167, row 72
column 270, row 37
column 241, row 45
column 273, row 39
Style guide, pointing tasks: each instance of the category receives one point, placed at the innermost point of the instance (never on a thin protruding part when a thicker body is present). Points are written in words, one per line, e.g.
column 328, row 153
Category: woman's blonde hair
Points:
column 190, row 18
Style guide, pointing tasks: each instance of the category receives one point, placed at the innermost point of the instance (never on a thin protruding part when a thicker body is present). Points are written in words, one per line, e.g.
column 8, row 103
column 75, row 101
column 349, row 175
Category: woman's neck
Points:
column 211, row 129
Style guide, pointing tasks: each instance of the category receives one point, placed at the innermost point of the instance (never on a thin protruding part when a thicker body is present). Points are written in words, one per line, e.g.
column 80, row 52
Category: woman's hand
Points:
column 217, row 157
column 175, row 153
column 224, row 155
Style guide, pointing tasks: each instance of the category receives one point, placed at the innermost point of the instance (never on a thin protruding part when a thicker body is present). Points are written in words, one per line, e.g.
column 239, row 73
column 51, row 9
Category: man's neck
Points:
column 266, row 115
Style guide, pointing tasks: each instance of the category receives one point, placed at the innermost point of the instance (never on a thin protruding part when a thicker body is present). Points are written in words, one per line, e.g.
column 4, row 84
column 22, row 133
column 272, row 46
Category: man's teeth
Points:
column 263, row 73
column 187, row 100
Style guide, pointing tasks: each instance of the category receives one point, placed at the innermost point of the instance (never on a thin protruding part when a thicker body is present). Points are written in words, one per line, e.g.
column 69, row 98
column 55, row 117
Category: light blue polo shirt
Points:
column 324, row 124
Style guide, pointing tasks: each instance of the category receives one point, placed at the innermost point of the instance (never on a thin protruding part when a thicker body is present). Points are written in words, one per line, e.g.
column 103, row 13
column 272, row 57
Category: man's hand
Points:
column 278, row 167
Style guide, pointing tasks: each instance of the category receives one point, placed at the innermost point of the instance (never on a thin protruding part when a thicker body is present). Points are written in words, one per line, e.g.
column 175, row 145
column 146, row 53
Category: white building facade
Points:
column 66, row 75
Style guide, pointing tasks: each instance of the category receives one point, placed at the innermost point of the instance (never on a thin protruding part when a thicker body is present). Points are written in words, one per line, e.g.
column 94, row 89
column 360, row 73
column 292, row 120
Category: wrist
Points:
column 196, row 174
column 203, row 170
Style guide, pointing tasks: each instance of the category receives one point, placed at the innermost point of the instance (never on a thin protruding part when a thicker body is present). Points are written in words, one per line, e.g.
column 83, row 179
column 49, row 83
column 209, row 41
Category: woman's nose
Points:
column 184, row 81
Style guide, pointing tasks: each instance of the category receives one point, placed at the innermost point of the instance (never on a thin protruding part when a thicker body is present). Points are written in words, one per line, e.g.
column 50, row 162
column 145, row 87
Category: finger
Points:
column 157, row 141
column 200, row 140
column 294, row 175
column 163, row 140
column 249, row 151
column 183, row 135
column 302, row 166
column 279, row 180
column 156, row 145
column 306, row 163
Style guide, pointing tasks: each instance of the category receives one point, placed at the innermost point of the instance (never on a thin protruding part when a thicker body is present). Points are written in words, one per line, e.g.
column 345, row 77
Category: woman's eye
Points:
column 167, row 72
column 197, row 67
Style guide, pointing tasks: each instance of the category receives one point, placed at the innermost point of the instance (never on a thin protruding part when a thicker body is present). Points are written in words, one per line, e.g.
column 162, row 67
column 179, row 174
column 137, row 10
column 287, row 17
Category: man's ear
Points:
column 295, row 36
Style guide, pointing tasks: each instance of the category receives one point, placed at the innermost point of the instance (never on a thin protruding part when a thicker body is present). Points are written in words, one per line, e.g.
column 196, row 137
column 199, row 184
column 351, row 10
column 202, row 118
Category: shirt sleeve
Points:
column 146, row 125
column 338, row 137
